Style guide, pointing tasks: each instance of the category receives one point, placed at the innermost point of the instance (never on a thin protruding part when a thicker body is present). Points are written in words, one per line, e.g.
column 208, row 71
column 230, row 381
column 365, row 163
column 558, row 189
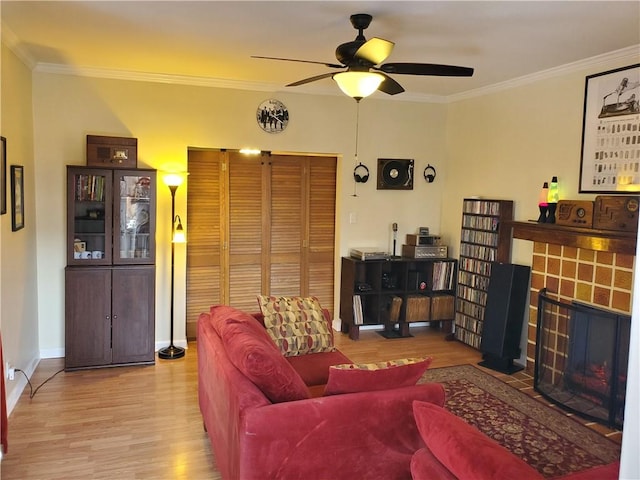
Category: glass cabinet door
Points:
column 89, row 220
column 134, row 222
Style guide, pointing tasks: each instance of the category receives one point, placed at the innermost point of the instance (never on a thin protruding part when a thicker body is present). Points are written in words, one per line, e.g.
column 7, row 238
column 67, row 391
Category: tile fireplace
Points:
column 594, row 267
column 585, row 271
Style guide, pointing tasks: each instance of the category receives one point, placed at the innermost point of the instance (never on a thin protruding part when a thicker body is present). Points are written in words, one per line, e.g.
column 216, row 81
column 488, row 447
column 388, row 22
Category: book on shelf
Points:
column 358, row 318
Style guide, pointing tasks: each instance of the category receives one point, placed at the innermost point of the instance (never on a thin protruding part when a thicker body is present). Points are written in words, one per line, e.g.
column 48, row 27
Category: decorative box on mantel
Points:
column 114, row 152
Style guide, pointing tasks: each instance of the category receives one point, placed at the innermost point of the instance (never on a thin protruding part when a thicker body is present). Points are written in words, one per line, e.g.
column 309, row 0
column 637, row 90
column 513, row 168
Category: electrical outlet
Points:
column 10, row 372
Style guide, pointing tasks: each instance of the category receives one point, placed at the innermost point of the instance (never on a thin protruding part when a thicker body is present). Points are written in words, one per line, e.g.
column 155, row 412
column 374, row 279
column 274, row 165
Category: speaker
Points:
column 504, row 316
column 395, row 174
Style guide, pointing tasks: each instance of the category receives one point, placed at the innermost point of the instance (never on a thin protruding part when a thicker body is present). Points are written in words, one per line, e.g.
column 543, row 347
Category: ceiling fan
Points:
column 364, row 73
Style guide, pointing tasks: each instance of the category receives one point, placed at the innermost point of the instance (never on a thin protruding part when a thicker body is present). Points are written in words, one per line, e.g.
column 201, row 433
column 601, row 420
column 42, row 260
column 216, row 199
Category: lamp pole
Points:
column 172, row 352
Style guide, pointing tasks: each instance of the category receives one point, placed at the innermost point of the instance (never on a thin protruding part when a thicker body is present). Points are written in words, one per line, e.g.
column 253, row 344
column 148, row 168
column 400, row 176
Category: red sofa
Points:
column 283, row 432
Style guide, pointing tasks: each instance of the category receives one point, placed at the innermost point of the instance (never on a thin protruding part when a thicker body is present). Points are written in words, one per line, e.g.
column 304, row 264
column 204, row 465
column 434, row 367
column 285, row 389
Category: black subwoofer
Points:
column 504, row 316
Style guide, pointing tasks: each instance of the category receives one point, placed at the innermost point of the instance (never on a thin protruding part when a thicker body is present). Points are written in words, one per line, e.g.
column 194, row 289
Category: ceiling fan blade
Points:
column 390, row 86
column 310, row 79
column 330, row 65
column 375, row 50
column 426, row 69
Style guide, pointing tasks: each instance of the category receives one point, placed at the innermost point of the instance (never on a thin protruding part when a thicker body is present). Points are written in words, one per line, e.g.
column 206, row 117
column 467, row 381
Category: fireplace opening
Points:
column 582, row 353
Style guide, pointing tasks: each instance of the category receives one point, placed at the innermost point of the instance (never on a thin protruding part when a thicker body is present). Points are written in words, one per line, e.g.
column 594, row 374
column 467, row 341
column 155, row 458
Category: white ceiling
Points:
column 212, row 41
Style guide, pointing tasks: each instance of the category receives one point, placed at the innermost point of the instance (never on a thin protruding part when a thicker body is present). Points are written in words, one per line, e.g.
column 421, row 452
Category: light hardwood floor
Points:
column 144, row 422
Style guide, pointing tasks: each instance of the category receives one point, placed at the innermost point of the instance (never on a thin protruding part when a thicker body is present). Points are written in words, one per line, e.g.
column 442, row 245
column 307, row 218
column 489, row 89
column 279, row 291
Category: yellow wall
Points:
column 167, row 119
column 18, row 259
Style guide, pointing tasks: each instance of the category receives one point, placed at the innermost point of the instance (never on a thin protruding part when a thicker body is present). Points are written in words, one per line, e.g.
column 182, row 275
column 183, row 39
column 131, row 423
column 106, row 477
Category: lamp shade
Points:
column 173, row 179
column 358, row 84
column 178, row 232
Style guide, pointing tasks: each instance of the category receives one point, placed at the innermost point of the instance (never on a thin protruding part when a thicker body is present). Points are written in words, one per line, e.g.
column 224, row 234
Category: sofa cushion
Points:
column 464, row 450
column 314, row 367
column 220, row 315
column 253, row 353
column 367, row 377
column 296, row 324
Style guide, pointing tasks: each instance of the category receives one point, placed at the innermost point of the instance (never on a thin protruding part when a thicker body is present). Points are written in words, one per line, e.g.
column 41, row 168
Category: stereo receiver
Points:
column 424, row 251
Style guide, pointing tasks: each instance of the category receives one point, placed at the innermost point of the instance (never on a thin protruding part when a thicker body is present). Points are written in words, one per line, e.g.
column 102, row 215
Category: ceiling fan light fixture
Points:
column 358, row 84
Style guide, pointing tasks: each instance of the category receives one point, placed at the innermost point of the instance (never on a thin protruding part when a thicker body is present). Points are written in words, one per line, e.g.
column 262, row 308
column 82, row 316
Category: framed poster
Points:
column 610, row 161
column 395, row 174
column 17, row 197
column 3, row 176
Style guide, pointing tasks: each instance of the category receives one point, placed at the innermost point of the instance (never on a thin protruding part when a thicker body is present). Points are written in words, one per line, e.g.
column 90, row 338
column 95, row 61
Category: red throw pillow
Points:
column 464, row 450
column 252, row 351
column 354, row 377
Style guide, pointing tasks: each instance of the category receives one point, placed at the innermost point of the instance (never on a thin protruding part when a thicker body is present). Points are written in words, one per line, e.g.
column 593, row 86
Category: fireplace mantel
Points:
column 588, row 238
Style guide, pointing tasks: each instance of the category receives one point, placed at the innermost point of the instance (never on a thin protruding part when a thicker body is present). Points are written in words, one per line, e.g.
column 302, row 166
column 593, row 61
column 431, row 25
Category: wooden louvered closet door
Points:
column 275, row 228
column 204, row 240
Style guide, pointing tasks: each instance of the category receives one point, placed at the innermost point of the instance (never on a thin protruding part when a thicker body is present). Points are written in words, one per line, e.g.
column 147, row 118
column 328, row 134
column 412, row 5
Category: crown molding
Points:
column 97, row 72
column 10, row 39
column 630, row 54
column 210, row 82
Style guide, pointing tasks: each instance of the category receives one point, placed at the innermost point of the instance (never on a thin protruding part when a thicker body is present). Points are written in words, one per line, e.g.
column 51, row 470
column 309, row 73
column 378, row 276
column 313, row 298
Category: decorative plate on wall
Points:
column 272, row 116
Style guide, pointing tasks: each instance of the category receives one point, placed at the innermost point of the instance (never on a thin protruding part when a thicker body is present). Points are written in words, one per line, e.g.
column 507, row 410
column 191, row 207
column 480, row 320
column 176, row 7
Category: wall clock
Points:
column 272, row 116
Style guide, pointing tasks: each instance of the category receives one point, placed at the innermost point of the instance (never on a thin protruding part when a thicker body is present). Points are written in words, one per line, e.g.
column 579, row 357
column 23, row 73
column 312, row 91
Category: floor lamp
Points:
column 177, row 236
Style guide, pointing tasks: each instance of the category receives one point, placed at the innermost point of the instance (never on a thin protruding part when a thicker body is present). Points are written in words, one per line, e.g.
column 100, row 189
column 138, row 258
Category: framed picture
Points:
column 610, row 160
column 3, row 176
column 395, row 174
column 17, row 197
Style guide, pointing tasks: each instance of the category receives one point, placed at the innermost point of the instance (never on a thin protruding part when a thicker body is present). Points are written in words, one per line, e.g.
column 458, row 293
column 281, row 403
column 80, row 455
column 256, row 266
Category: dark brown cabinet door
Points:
column 134, row 217
column 88, row 317
column 89, row 216
column 133, row 318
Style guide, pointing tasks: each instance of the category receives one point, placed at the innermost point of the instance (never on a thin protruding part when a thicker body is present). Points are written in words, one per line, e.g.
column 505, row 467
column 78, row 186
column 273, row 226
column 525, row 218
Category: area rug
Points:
column 546, row 439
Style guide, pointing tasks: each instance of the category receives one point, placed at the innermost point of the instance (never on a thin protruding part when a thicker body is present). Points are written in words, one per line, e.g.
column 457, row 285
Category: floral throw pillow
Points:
column 366, row 377
column 296, row 324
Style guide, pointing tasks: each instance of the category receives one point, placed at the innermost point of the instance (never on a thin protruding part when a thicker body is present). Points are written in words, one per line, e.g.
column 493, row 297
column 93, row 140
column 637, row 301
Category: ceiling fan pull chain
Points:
column 357, row 127
column 355, row 183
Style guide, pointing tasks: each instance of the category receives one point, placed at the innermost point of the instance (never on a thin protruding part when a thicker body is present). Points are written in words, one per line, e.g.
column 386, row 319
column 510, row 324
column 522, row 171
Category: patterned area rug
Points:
column 549, row 441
